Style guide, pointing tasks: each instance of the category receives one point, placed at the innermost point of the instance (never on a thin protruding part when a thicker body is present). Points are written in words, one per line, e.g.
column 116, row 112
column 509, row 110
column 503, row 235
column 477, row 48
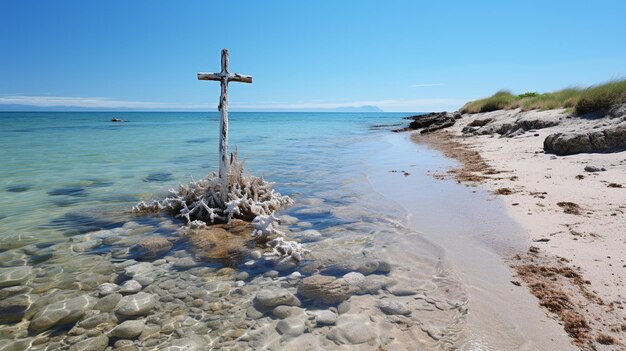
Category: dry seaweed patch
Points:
column 474, row 168
column 564, row 292
column 569, row 207
column 504, row 191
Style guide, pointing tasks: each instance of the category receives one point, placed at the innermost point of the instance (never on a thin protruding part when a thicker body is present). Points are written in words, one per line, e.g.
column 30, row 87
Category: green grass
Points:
column 597, row 98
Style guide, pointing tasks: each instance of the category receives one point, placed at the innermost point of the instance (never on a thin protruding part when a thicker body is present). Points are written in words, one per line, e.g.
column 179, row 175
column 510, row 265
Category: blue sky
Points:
column 398, row 55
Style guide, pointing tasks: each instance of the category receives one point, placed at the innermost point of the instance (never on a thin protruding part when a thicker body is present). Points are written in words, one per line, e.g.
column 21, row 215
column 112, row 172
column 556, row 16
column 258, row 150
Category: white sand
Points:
column 600, row 249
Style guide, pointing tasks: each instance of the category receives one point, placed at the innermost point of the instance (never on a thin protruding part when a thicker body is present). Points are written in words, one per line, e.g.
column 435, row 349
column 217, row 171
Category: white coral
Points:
column 287, row 249
column 248, row 197
column 265, row 226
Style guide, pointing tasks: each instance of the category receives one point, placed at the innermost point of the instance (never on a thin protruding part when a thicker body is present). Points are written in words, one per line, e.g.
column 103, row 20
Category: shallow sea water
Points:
column 68, row 239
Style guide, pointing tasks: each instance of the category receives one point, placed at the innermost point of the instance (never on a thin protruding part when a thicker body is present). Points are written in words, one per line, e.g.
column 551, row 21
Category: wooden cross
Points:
column 224, row 77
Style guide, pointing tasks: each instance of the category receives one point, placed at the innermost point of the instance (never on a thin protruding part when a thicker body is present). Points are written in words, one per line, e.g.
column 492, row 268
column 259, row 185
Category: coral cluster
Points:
column 249, row 198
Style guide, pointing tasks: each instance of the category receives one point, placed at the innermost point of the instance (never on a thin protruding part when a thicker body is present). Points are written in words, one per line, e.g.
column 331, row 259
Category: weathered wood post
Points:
column 224, row 77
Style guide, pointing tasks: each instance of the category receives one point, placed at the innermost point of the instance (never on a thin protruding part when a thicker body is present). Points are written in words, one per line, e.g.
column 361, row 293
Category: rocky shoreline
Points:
column 598, row 132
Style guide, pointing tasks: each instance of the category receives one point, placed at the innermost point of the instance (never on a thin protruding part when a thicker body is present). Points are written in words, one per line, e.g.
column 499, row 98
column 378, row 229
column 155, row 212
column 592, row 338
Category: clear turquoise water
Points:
column 57, row 166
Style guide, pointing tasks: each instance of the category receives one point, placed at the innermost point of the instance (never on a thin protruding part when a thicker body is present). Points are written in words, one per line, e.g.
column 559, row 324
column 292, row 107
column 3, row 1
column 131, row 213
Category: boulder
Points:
column 607, row 139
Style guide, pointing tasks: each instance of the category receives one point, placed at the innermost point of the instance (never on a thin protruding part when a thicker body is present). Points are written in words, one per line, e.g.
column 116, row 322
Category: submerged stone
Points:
column 128, row 329
column 394, row 307
column 74, row 191
column 18, row 188
column 14, row 275
column 135, row 305
column 108, row 303
column 352, row 330
column 275, row 297
column 97, row 343
column 63, row 312
column 326, row 289
column 152, row 246
column 158, row 177
column 12, row 309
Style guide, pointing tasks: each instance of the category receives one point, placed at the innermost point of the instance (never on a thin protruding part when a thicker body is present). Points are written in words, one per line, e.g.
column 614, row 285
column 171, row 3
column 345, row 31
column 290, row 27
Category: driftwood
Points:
column 224, row 77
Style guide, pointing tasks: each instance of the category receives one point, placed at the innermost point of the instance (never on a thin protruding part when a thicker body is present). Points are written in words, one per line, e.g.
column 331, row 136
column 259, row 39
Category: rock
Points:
column 192, row 343
column 60, row 313
column 403, row 292
column 97, row 343
column 152, row 246
column 325, row 317
column 326, row 289
column 253, row 313
column 242, row 276
column 434, row 127
column 352, row 330
column 96, row 320
column 13, row 309
column 130, row 287
column 433, row 121
column 354, row 278
column 480, row 122
column 291, row 327
column 14, row 275
column 108, row 303
column 283, row 311
column 221, row 240
column 274, row 297
column 373, row 283
column 605, row 139
column 86, row 245
column 343, row 307
column 394, row 307
column 310, row 235
column 185, row 262
column 129, row 329
column 144, row 280
column 139, row 269
column 107, row 289
column 135, row 305
column 589, row 168
column 150, row 331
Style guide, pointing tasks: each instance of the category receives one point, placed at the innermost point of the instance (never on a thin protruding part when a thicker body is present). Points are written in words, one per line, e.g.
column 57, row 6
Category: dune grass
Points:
column 597, row 98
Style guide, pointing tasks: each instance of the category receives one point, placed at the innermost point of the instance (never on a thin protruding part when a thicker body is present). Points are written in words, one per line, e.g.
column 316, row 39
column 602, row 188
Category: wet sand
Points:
column 474, row 235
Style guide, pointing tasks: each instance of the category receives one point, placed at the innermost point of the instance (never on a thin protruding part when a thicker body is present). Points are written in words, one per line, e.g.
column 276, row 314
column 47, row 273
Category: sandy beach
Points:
column 570, row 207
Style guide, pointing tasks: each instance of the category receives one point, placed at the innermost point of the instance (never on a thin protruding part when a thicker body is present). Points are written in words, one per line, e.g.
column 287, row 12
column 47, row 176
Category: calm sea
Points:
column 56, row 165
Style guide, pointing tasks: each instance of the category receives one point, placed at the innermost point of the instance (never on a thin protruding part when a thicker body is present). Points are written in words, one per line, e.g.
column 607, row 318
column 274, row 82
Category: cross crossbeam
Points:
column 224, row 77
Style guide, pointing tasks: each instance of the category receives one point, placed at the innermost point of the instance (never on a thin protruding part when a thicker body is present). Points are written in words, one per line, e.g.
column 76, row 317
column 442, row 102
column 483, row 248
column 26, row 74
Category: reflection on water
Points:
column 78, row 270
